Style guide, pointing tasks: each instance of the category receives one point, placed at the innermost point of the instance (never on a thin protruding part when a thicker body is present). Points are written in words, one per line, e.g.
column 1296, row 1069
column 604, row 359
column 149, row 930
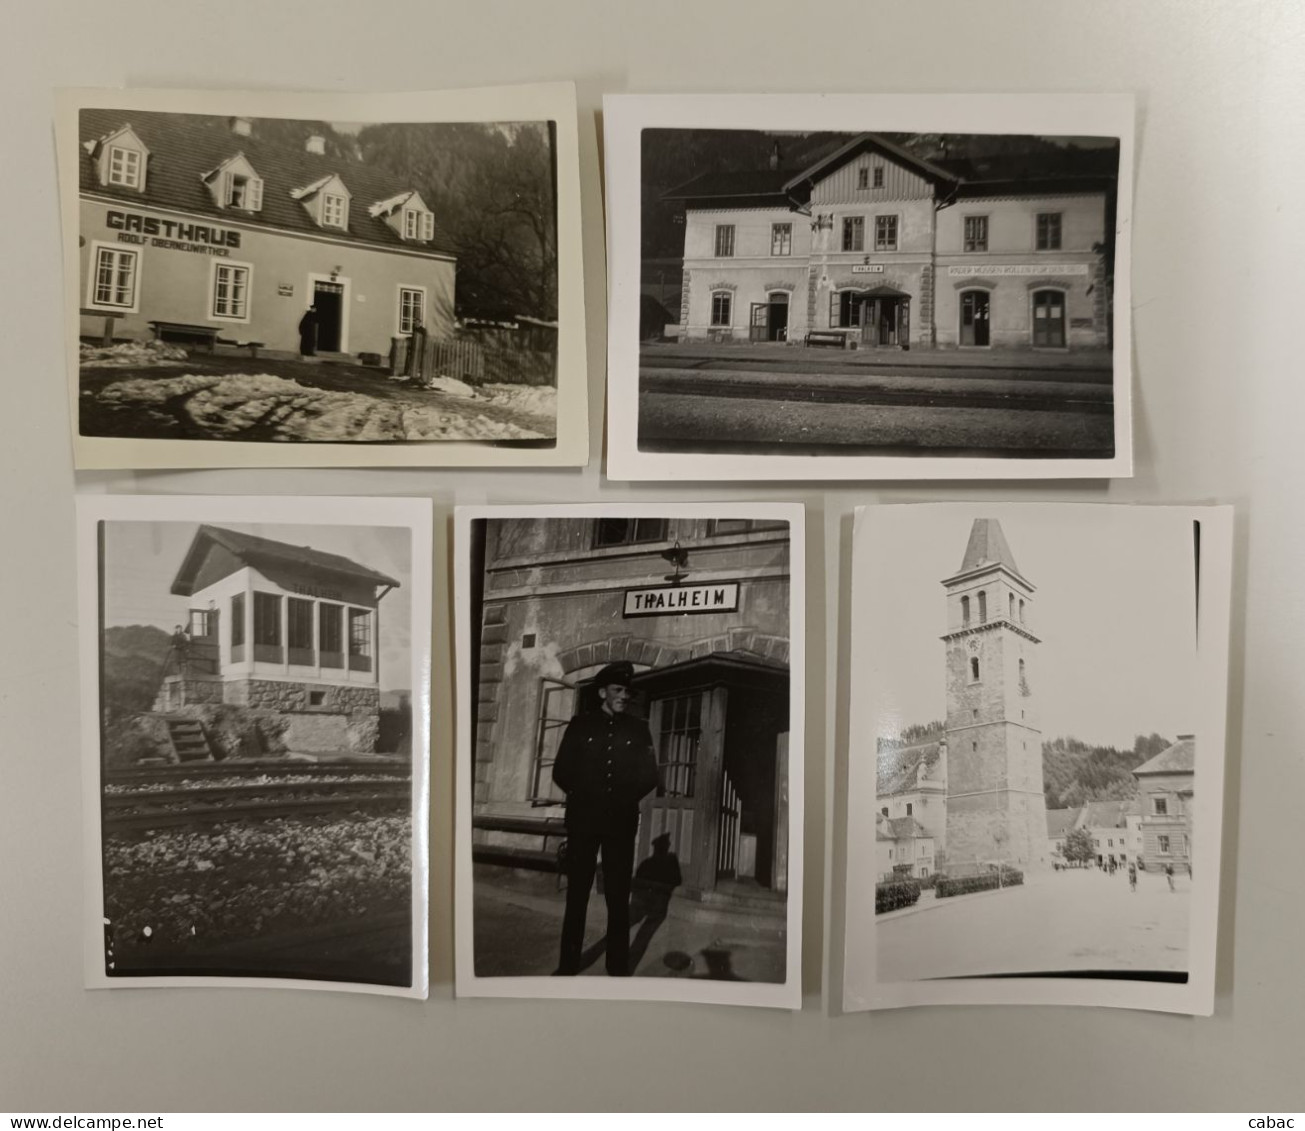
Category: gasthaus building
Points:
column 700, row 608
column 193, row 225
column 875, row 247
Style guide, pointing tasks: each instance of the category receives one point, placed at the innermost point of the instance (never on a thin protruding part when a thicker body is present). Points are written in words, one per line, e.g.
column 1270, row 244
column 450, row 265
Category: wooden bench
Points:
column 826, row 338
column 185, row 332
column 542, row 859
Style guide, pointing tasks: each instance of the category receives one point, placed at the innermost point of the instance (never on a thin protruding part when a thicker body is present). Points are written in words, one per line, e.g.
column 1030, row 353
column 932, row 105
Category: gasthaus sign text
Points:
column 669, row 600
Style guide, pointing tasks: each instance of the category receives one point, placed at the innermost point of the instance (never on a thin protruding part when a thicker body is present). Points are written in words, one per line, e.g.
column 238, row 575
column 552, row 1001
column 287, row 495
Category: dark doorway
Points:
column 777, row 331
column 329, row 300
column 885, row 318
column 1049, row 319
column 754, row 722
column 974, row 318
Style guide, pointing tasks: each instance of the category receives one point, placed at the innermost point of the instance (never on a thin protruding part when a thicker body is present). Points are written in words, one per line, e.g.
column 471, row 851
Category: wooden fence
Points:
column 423, row 357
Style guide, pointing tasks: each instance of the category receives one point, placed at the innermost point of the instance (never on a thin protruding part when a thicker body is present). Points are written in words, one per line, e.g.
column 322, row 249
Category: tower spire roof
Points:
column 987, row 546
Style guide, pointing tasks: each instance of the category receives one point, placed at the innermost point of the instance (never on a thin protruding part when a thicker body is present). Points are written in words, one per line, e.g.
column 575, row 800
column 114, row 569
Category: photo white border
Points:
column 625, row 116
column 539, row 102
column 857, row 974
column 779, row 995
column 415, row 515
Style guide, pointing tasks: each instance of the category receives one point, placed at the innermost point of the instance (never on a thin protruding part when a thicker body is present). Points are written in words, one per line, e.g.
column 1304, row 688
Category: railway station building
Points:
column 280, row 630
column 700, row 608
column 197, row 228
column 874, row 247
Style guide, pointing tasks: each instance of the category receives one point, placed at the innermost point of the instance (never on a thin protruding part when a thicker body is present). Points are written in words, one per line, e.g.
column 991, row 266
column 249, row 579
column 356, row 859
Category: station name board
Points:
column 868, row 269
column 970, row 269
column 175, row 234
column 669, row 600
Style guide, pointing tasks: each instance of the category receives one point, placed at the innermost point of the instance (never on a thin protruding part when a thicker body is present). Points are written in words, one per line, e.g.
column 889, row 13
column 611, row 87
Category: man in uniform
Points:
column 606, row 766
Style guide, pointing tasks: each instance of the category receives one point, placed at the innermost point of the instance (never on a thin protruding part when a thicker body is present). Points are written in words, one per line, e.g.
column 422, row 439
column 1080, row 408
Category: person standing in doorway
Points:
column 606, row 766
column 308, row 333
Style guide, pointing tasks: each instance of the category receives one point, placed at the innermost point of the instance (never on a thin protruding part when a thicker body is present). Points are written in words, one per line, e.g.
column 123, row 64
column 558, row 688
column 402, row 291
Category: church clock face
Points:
column 974, row 645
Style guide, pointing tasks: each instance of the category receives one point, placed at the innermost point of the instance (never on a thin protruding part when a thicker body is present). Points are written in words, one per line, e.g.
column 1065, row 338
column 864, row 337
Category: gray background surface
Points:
column 1218, row 247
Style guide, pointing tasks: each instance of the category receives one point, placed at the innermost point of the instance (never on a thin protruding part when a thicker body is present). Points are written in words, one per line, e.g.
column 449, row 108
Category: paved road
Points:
column 1075, row 920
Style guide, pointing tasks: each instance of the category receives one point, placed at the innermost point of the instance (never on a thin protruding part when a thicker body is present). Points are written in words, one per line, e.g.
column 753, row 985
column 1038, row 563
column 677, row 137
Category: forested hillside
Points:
column 133, row 668
column 1074, row 773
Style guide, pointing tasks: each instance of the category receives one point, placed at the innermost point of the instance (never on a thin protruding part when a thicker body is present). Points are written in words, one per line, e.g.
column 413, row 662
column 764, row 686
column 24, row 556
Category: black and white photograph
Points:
column 255, row 719
column 630, row 752
column 906, row 298
column 1036, row 754
column 389, row 287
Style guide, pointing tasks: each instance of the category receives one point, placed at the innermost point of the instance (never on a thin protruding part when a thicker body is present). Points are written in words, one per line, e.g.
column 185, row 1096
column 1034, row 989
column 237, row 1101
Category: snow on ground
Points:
column 131, row 353
column 226, row 406
column 535, row 400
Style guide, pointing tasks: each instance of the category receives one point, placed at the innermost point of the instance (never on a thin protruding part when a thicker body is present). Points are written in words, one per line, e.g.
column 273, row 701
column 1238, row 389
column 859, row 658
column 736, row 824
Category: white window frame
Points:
column 1060, row 231
column 93, row 272
column 218, row 265
column 327, row 222
column 965, row 239
column 137, row 180
column 877, row 178
column 711, row 311
column 253, row 194
column 847, row 228
column 897, row 231
column 786, row 244
column 716, row 242
column 863, row 177
column 403, row 288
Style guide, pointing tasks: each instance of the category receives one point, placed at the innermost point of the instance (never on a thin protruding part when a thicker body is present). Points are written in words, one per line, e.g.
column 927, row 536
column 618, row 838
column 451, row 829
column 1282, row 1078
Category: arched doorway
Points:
column 1049, row 319
column 975, row 309
column 769, row 321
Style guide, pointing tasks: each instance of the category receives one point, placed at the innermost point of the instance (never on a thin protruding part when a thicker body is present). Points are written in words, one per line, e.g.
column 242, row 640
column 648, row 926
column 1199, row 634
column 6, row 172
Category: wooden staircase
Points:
column 188, row 740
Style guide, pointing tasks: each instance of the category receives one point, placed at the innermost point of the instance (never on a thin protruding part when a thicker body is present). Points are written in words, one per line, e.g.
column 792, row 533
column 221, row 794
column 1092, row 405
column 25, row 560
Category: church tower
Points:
column 996, row 810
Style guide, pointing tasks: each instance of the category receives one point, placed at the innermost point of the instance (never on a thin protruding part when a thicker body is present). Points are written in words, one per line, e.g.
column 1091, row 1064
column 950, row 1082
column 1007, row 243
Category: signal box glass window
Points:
column 976, row 233
column 781, row 239
column 724, row 240
column 628, row 531
column 854, row 233
column 412, row 309
column 1048, row 231
column 267, row 627
column 115, row 277
column 360, row 640
column 299, row 614
column 230, row 291
column 330, row 635
column 722, row 308
column 125, row 167
column 885, row 233
column 237, row 622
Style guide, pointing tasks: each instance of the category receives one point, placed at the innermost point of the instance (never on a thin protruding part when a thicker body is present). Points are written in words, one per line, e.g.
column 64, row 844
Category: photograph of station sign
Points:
column 812, row 292
column 696, row 612
column 254, row 761
column 1024, row 752
column 262, row 278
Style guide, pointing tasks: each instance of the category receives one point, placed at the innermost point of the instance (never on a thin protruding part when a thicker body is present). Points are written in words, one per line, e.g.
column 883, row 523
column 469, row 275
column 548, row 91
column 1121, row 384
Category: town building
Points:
column 196, row 228
column 1107, row 824
column 1166, row 786
column 911, row 785
column 700, row 608
column 996, row 808
column 887, row 249
column 278, row 629
column 1060, row 822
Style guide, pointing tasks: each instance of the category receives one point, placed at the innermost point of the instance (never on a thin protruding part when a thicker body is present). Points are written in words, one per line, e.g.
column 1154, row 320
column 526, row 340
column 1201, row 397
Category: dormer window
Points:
column 120, row 159
column 418, row 224
column 334, row 210
column 244, row 192
column 234, row 184
column 124, row 167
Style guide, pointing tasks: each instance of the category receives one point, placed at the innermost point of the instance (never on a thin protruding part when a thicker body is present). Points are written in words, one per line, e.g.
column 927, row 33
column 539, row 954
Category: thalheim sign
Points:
column 670, row 600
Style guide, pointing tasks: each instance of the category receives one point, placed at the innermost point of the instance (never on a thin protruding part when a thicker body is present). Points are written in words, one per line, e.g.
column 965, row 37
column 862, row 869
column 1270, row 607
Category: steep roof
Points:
column 185, row 148
column 875, row 143
column 1060, row 821
column 988, row 546
column 898, row 770
column 1105, row 814
column 266, row 553
column 904, row 828
column 1180, row 758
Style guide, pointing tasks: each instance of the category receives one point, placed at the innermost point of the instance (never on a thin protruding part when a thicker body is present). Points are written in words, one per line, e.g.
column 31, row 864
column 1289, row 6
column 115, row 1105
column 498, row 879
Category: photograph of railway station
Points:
column 877, row 293
column 1023, row 786
column 266, row 279
column 631, row 775
column 256, row 751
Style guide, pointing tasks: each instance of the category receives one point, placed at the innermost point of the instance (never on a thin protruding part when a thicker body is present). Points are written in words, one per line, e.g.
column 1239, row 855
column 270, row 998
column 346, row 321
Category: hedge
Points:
column 892, row 894
column 985, row 881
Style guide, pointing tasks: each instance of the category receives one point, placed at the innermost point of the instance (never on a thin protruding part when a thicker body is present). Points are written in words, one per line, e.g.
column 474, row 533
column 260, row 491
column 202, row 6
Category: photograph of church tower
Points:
column 1018, row 741
column 996, row 809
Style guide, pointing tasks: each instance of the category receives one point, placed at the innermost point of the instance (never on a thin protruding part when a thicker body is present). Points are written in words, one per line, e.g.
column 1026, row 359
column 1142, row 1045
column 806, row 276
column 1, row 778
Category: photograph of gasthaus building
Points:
column 247, row 278
column 1032, row 799
column 632, row 686
column 877, row 293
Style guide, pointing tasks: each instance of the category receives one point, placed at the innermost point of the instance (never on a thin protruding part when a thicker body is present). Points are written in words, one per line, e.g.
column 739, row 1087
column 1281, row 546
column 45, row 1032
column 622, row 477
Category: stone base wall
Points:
column 288, row 695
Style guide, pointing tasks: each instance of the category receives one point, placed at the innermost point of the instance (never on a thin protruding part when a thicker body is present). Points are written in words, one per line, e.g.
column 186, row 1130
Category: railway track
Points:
column 173, row 796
